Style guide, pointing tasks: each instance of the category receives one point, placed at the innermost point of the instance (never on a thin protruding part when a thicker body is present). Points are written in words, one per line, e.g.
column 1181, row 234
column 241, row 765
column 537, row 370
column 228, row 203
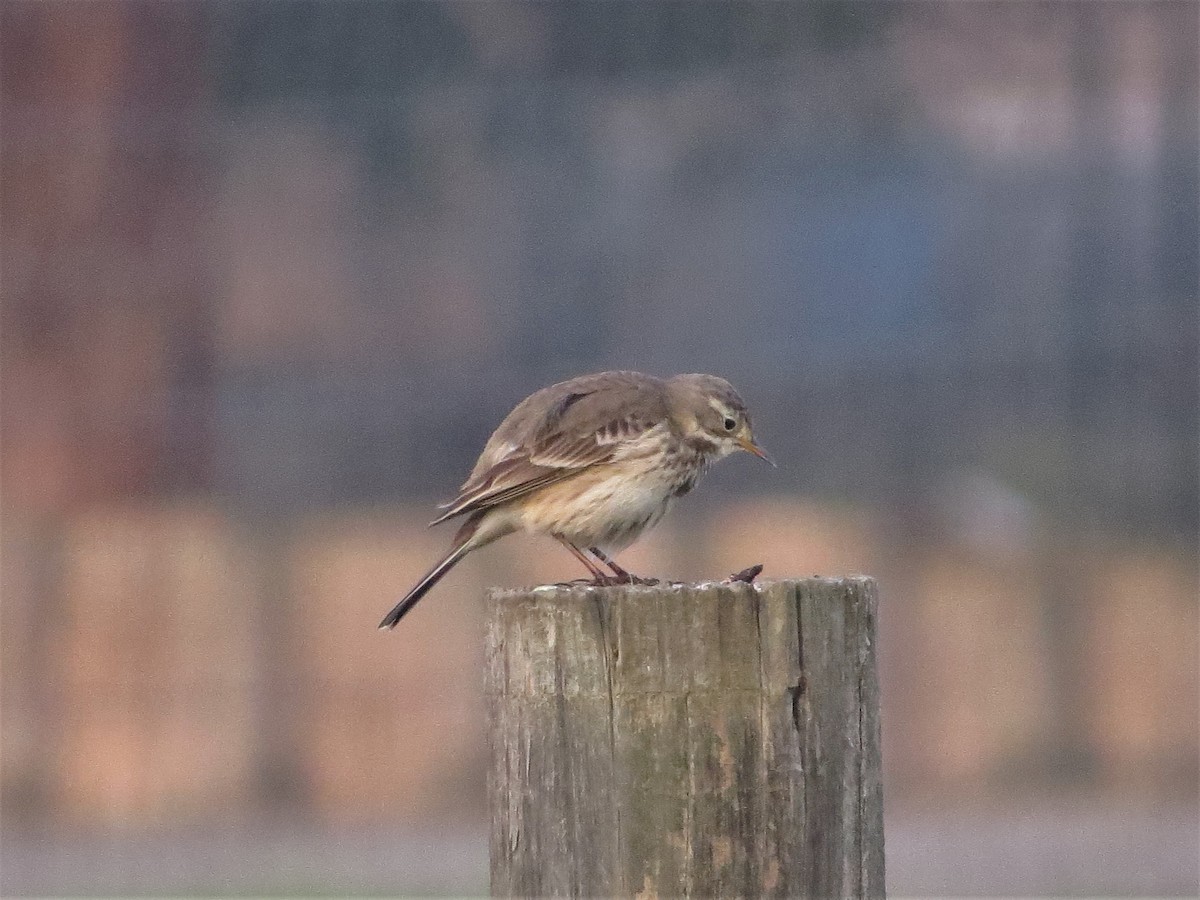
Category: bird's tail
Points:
column 462, row 546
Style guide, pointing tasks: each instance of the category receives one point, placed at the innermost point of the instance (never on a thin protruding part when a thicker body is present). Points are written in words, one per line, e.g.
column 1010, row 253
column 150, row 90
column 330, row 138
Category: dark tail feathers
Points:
column 462, row 546
column 422, row 587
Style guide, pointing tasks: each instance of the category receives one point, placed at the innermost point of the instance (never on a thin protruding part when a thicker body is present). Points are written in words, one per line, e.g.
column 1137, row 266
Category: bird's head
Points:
column 708, row 410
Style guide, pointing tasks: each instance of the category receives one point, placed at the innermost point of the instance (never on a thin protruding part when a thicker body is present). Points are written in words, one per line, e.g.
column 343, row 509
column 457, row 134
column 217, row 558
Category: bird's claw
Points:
column 645, row 582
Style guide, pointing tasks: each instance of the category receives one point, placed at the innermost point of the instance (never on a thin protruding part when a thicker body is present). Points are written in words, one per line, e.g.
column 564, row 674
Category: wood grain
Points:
column 715, row 740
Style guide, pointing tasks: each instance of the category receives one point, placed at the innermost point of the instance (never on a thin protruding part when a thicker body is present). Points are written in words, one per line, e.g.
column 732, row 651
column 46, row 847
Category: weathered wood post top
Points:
column 710, row 740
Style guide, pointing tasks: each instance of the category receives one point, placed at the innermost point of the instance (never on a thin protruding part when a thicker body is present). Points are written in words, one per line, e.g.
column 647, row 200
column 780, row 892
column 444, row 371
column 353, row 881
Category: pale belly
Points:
column 602, row 509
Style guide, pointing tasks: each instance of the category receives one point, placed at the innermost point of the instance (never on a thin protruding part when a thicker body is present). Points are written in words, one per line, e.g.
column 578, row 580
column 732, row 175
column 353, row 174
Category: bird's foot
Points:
column 606, row 581
column 645, row 582
column 622, row 577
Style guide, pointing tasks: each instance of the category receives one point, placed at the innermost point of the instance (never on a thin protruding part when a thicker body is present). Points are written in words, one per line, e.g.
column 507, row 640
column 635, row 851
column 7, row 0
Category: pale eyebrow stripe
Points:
column 718, row 406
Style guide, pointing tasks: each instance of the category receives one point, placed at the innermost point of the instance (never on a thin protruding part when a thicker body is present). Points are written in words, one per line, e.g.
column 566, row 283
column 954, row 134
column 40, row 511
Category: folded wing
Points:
column 571, row 433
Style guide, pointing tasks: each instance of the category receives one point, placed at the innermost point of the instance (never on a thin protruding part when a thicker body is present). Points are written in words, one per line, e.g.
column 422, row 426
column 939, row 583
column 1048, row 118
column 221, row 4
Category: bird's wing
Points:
column 577, row 431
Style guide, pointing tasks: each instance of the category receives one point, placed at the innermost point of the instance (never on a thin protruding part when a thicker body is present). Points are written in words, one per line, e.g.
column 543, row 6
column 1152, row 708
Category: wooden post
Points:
column 711, row 740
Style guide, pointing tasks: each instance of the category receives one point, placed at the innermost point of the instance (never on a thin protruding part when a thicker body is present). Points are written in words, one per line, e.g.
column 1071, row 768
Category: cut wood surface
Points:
column 712, row 740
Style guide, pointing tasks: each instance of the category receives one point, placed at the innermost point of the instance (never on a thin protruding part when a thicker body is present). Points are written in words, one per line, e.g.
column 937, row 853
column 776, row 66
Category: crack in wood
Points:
column 612, row 653
column 796, row 692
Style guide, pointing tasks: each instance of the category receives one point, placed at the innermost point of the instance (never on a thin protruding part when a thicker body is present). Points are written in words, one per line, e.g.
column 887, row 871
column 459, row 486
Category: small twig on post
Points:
column 747, row 575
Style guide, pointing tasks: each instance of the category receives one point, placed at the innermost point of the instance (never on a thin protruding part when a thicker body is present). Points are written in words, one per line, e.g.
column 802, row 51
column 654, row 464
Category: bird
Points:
column 593, row 462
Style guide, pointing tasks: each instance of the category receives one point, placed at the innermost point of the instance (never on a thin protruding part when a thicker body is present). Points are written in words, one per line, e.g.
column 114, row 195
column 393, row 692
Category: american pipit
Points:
column 592, row 462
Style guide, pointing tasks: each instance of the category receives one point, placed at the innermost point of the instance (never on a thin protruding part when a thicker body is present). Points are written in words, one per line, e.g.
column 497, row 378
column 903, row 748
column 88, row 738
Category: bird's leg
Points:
column 597, row 573
column 622, row 575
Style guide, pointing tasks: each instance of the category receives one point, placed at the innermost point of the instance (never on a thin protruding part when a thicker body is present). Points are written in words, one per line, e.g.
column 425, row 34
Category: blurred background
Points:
column 272, row 271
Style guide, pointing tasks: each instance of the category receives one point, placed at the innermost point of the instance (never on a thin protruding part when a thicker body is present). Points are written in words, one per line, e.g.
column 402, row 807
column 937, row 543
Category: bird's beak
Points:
column 750, row 447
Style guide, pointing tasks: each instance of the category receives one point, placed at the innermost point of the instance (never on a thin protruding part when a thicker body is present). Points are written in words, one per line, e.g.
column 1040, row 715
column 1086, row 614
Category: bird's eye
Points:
column 730, row 423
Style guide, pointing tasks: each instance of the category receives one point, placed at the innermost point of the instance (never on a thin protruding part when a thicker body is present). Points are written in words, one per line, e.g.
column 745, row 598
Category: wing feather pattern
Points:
column 556, row 434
